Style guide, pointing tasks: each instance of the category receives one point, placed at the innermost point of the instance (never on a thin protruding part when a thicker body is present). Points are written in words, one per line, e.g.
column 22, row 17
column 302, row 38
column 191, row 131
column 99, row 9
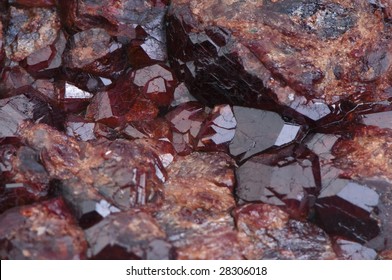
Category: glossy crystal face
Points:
column 195, row 129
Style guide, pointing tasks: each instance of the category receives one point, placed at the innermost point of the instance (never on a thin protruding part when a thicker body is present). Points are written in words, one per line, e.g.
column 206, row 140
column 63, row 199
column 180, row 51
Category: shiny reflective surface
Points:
column 258, row 130
column 123, row 130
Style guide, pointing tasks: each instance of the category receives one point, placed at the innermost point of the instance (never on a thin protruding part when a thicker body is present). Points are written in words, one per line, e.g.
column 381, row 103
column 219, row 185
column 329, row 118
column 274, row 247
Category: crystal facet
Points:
column 128, row 235
column 289, row 180
column 277, row 237
column 259, row 130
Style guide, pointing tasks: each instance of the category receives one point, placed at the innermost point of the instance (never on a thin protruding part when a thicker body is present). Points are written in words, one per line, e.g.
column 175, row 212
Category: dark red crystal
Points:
column 354, row 194
column 156, row 82
column 122, row 102
column 71, row 98
column 79, row 128
column 45, row 61
column 346, row 207
column 181, row 95
column 217, row 130
column 14, row 80
column 186, row 121
column 139, row 24
column 155, row 158
column 109, row 107
column 289, row 179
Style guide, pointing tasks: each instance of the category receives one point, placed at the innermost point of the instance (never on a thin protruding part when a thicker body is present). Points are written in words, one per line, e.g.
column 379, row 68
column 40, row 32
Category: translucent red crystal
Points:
column 186, row 121
column 217, row 130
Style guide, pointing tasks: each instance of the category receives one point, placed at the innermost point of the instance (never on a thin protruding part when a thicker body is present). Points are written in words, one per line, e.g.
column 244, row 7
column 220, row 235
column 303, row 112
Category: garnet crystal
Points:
column 192, row 129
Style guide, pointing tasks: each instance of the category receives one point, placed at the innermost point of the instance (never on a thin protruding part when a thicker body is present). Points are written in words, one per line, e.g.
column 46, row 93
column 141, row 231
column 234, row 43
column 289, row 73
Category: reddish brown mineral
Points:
column 196, row 215
column 127, row 174
column 14, row 80
column 303, row 55
column 30, row 30
column 23, row 178
column 353, row 200
column 186, row 121
column 128, row 235
column 218, row 130
column 288, row 178
column 192, row 129
column 156, row 82
column 28, row 233
column 269, row 229
column 140, row 24
column 95, row 51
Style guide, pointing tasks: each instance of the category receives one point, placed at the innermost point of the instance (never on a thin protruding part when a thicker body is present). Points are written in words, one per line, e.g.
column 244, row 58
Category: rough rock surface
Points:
column 301, row 54
column 44, row 231
column 192, row 129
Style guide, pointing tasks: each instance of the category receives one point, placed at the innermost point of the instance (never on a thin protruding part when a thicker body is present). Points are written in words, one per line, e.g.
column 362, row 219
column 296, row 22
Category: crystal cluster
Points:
column 182, row 130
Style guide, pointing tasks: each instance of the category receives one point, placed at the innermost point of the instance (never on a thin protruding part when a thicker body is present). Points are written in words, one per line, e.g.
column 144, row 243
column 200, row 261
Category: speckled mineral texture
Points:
column 138, row 24
column 370, row 147
column 30, row 30
column 44, row 231
column 128, row 235
column 275, row 236
column 127, row 173
column 196, row 216
column 303, row 55
column 195, row 129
